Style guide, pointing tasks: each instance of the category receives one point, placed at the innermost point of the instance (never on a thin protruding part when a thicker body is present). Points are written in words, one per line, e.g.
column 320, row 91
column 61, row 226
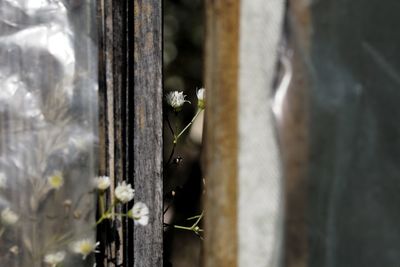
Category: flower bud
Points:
column 201, row 94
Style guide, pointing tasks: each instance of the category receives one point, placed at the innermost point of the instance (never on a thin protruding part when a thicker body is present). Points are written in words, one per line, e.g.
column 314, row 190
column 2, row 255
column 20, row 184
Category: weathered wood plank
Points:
column 112, row 71
column 221, row 140
column 147, row 140
column 130, row 87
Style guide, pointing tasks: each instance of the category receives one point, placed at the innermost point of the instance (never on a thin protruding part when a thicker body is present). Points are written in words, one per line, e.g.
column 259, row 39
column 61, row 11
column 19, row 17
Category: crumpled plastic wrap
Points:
column 48, row 129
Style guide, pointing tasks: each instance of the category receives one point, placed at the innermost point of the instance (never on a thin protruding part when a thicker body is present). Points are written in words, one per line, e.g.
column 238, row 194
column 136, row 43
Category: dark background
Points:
column 183, row 71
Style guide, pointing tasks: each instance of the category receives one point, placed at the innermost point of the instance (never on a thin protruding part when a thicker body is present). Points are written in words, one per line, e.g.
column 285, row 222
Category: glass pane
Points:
column 349, row 51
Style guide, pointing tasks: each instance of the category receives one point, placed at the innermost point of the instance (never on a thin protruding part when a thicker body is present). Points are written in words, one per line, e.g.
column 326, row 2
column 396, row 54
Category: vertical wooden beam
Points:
column 147, row 140
column 112, row 17
column 221, row 133
column 131, row 108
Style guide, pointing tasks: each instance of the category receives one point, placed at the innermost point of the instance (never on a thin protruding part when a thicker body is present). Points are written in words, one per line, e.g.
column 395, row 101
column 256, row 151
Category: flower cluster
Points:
column 174, row 100
column 124, row 193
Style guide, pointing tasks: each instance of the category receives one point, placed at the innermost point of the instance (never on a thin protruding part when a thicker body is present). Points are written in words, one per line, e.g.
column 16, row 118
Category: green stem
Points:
column 106, row 214
column 187, row 126
column 193, row 227
column 194, row 217
column 101, row 203
column 183, row 227
column 198, row 219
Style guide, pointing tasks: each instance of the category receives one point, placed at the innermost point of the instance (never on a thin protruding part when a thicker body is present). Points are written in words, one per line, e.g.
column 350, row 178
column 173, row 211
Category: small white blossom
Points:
column 176, row 100
column 8, row 217
column 139, row 213
column 124, row 192
column 102, row 182
column 53, row 259
column 3, row 180
column 56, row 180
column 85, row 247
column 201, row 93
column 14, row 250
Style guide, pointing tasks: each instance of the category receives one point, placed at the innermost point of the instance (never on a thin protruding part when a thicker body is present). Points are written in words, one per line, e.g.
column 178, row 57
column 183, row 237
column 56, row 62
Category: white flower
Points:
column 54, row 258
column 14, row 250
column 3, row 180
column 56, row 180
column 139, row 213
column 85, row 247
column 102, row 182
column 201, row 93
column 8, row 217
column 124, row 192
column 176, row 100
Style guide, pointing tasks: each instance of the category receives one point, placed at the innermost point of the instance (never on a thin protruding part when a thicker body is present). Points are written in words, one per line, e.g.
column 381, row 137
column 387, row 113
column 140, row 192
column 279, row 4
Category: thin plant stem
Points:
column 194, row 217
column 169, row 124
column 187, row 126
column 183, row 227
column 171, row 155
column 101, row 203
column 106, row 214
column 194, row 227
column 167, row 208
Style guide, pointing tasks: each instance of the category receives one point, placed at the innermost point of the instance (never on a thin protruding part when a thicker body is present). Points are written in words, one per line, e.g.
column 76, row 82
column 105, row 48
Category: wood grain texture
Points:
column 113, row 65
column 221, row 133
column 131, row 120
column 148, row 119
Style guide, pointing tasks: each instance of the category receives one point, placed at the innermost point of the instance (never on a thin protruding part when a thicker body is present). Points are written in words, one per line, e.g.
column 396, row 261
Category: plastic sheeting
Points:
column 48, row 124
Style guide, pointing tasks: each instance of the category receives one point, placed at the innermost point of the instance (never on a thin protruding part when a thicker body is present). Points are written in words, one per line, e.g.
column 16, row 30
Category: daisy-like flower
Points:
column 8, row 217
column 201, row 93
column 102, row 182
column 176, row 100
column 124, row 192
column 85, row 247
column 139, row 213
column 53, row 259
column 3, row 180
column 56, row 180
